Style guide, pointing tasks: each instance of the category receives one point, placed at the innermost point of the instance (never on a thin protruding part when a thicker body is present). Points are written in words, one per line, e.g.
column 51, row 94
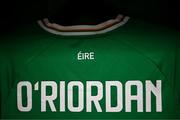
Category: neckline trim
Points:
column 82, row 30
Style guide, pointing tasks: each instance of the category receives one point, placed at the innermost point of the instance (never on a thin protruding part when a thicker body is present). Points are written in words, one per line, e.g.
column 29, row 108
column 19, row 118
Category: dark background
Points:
column 16, row 13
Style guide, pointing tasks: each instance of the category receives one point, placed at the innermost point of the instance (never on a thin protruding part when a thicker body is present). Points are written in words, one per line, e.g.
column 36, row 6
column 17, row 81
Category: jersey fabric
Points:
column 130, row 72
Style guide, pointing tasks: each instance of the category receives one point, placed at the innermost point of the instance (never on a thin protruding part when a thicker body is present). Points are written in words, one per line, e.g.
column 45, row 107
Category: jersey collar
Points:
column 77, row 30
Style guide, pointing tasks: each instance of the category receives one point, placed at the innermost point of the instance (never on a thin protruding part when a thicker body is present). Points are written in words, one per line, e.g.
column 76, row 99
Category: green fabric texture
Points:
column 136, row 51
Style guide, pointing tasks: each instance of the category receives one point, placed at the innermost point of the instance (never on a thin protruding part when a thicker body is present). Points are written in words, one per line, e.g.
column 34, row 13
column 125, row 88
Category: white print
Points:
column 85, row 56
column 157, row 92
column 94, row 99
column 63, row 93
column 80, row 94
column 130, row 97
column 119, row 106
column 50, row 98
column 20, row 106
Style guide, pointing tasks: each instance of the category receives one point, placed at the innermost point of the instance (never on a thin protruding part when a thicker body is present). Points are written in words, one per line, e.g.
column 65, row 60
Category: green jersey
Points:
column 120, row 69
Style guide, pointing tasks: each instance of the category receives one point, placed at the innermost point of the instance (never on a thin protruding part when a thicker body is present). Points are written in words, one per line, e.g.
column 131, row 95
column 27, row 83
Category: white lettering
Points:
column 129, row 97
column 93, row 99
column 156, row 90
column 50, row 98
column 119, row 106
column 29, row 96
column 62, row 96
column 85, row 56
column 90, row 95
column 80, row 94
